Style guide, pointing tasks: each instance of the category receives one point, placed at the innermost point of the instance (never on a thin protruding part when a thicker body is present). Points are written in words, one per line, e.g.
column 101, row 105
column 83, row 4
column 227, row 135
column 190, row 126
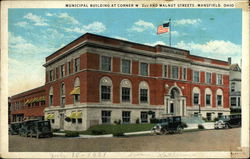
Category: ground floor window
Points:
column 219, row 115
column 126, row 117
column 73, row 120
column 209, row 116
column 79, row 120
column 144, row 117
column 106, row 115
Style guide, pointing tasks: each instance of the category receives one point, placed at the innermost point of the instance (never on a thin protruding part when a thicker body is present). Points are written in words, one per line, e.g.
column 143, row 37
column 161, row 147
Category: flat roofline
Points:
column 13, row 96
column 130, row 42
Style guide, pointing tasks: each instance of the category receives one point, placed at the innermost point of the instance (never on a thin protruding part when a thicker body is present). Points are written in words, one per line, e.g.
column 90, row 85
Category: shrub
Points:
column 184, row 125
column 55, row 130
column 137, row 121
column 117, row 134
column 154, row 120
column 98, row 132
column 72, row 134
column 117, row 122
column 200, row 126
column 216, row 119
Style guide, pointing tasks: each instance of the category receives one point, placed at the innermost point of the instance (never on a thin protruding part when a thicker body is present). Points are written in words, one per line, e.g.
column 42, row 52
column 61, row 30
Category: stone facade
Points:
column 96, row 79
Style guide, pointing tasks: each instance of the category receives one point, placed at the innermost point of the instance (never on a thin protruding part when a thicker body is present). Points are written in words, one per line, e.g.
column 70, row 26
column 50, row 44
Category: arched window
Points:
column 51, row 93
column 174, row 93
column 196, row 96
column 106, row 89
column 125, row 90
column 219, row 97
column 144, row 92
column 62, row 93
column 76, row 91
column 208, row 97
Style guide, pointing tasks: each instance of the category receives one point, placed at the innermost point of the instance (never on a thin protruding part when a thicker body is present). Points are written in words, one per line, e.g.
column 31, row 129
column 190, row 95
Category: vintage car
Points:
column 228, row 121
column 41, row 129
column 26, row 127
column 14, row 128
column 168, row 125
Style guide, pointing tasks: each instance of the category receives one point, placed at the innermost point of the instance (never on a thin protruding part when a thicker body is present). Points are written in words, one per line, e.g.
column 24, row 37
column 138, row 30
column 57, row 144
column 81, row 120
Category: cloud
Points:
column 49, row 14
column 68, row 18
column 156, row 43
column 141, row 26
column 95, row 27
column 121, row 38
column 38, row 20
column 187, row 22
column 214, row 49
column 22, row 24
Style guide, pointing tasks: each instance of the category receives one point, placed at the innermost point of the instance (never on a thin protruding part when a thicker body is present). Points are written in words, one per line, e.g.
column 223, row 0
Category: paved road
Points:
column 207, row 140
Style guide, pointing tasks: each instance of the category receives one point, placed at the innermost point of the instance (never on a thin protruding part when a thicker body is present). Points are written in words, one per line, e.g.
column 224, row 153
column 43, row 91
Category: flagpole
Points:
column 170, row 32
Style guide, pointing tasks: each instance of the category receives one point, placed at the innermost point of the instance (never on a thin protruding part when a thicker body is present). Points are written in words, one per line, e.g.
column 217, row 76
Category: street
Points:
column 206, row 140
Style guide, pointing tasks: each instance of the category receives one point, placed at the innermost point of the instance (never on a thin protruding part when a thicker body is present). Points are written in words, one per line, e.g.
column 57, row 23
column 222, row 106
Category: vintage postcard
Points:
column 125, row 79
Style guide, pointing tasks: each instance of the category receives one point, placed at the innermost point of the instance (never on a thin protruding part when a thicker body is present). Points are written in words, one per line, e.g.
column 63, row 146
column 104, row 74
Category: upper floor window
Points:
column 208, row 77
column 62, row 94
column 233, row 87
column 51, row 74
column 219, row 79
column 165, row 71
column 144, row 69
column 76, row 91
column 196, row 76
column 106, row 63
column 219, row 100
column 62, row 71
column 77, row 64
column 126, row 90
column 106, row 89
column 144, row 92
column 57, row 72
column 184, row 73
column 51, row 96
column 175, row 72
column 126, row 65
column 69, row 67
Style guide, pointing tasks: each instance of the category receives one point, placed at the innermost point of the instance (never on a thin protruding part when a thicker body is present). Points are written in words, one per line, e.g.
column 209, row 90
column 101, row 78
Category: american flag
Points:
column 163, row 28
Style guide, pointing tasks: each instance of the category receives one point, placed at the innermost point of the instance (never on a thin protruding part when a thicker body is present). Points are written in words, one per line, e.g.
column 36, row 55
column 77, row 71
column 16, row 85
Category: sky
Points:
column 36, row 33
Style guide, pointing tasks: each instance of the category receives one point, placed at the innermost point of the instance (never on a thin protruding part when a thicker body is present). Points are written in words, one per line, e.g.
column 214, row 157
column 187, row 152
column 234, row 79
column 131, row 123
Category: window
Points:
column 219, row 100
column 208, row 77
column 105, row 89
column 69, row 67
column 62, row 71
column 219, row 78
column 144, row 69
column 196, row 99
column 144, row 117
column 51, row 75
column 220, row 115
column 79, row 120
column 51, row 96
column 238, row 101
column 73, row 120
column 175, row 72
column 76, row 91
column 196, row 76
column 106, row 63
column 233, row 87
column 184, row 74
column 144, row 95
column 77, row 64
column 126, row 117
column 126, row 66
column 62, row 95
column 165, row 71
column 208, row 99
column 125, row 94
column 233, row 101
column 106, row 116
column 125, row 90
column 57, row 73
column 209, row 116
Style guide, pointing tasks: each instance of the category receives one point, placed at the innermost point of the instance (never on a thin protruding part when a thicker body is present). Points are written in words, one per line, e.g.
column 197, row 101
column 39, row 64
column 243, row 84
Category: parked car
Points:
column 41, row 129
column 25, row 129
column 14, row 128
column 228, row 121
column 168, row 125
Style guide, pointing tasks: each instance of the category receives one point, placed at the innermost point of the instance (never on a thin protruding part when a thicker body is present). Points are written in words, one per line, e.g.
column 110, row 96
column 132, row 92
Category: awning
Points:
column 47, row 117
column 42, row 98
column 27, row 101
column 76, row 90
column 34, row 100
column 50, row 116
column 78, row 115
column 73, row 115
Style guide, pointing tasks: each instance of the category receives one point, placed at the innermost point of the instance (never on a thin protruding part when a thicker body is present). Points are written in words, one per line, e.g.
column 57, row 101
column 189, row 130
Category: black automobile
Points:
column 14, row 128
column 41, row 129
column 228, row 121
column 25, row 129
column 168, row 125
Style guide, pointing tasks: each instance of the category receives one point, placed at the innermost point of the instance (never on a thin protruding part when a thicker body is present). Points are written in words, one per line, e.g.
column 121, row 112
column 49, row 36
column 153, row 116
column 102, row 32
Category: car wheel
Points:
column 226, row 126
